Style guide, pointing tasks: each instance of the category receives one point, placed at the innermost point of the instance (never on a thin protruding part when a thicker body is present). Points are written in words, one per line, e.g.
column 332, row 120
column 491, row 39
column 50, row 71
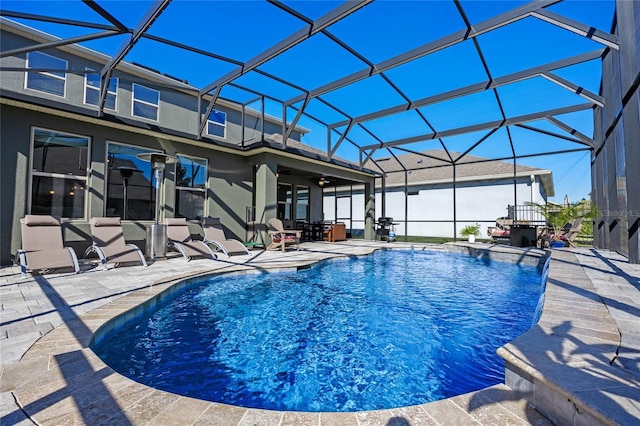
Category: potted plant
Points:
column 471, row 232
column 558, row 216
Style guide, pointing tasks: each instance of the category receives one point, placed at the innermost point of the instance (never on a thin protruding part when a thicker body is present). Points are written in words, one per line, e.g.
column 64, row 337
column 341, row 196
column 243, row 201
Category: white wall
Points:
column 479, row 201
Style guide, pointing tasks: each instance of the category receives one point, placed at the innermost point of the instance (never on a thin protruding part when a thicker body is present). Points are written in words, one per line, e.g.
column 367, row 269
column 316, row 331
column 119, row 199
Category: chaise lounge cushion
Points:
column 40, row 220
column 105, row 221
column 277, row 239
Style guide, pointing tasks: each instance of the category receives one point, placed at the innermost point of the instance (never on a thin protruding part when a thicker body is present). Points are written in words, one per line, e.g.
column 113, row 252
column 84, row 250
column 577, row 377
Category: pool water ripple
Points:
column 392, row 329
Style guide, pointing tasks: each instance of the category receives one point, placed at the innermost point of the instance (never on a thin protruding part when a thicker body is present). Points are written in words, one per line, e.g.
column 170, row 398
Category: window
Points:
column 146, row 102
column 140, row 189
column 302, row 203
column 50, row 81
column 217, row 124
column 58, row 173
column 92, row 91
column 191, row 182
column 284, row 201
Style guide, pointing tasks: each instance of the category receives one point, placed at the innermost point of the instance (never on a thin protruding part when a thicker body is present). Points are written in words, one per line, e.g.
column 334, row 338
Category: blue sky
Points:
column 240, row 30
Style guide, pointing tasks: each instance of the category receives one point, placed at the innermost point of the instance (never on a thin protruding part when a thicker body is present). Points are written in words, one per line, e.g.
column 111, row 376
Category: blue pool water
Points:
column 392, row 329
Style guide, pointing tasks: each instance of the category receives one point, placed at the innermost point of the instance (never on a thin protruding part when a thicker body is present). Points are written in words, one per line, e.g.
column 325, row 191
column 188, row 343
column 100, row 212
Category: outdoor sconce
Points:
column 321, row 182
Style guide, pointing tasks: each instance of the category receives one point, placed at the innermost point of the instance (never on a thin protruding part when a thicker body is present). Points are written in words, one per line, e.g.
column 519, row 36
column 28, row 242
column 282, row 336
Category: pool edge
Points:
column 35, row 355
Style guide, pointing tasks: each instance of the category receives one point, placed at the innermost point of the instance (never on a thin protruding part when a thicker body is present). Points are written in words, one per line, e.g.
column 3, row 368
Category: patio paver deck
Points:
column 590, row 328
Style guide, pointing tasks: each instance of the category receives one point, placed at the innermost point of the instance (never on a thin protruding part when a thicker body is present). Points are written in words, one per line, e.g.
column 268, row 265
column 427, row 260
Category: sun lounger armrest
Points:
column 139, row 252
column 76, row 265
column 22, row 258
column 94, row 248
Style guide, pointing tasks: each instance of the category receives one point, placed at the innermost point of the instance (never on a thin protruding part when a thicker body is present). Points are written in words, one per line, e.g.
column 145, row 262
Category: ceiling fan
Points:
column 323, row 181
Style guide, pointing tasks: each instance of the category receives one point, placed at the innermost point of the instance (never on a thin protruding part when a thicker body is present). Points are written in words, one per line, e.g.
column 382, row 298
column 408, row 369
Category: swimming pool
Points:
column 392, row 329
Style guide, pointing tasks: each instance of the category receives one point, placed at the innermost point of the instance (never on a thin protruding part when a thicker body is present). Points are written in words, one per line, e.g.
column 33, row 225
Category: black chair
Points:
column 384, row 225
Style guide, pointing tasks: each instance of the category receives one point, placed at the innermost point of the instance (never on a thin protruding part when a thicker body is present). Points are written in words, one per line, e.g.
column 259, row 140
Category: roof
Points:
column 431, row 167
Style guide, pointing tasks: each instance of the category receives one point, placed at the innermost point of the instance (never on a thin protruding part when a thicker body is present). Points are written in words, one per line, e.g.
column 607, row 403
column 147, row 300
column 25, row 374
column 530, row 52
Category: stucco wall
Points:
column 430, row 211
column 177, row 111
column 230, row 179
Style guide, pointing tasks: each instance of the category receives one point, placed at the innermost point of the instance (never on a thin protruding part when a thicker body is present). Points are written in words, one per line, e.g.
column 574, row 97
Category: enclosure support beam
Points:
column 370, row 209
column 144, row 24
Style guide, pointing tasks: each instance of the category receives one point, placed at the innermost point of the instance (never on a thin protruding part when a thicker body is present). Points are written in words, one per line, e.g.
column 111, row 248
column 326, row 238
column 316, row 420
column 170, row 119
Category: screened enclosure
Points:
column 546, row 84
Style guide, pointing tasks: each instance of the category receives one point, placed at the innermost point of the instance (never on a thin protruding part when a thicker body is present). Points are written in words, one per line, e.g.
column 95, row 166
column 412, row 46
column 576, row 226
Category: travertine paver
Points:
column 57, row 380
column 568, row 366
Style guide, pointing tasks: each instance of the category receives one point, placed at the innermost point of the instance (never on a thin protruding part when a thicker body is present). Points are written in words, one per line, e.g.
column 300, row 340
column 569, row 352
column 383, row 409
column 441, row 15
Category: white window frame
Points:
column 88, row 87
column 204, row 189
column 33, row 172
column 218, row 124
column 134, row 100
column 47, row 75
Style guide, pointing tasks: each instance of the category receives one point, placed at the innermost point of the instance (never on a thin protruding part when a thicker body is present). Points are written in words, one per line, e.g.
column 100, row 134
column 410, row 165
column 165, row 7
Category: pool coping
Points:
column 43, row 375
column 568, row 366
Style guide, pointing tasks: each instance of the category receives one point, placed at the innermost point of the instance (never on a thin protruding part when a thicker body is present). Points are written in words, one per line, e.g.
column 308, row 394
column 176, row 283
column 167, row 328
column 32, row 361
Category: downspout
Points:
column 351, row 209
column 383, row 210
column 533, row 181
column 515, row 193
column 406, row 206
column 335, row 204
column 455, row 237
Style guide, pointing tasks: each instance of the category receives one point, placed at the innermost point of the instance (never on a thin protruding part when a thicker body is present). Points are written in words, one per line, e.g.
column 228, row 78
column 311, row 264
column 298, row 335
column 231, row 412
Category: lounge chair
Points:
column 179, row 238
column 43, row 246
column 281, row 238
column 567, row 234
column 109, row 243
column 501, row 233
column 214, row 234
column 570, row 231
column 574, row 230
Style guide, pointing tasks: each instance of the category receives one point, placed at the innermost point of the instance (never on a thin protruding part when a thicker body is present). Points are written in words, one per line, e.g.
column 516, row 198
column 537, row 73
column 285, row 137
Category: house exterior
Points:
column 63, row 156
column 420, row 200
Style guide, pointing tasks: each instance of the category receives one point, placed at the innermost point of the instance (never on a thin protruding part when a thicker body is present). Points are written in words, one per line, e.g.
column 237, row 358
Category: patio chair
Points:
column 109, row 243
column 179, row 238
column 214, row 234
column 43, row 246
column 571, row 231
column 566, row 235
column 335, row 232
column 281, row 238
column 501, row 233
